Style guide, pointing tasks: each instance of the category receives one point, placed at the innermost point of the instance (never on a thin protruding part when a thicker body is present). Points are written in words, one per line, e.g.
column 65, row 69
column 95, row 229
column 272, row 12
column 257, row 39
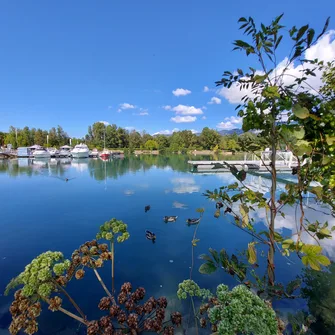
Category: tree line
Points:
column 114, row 137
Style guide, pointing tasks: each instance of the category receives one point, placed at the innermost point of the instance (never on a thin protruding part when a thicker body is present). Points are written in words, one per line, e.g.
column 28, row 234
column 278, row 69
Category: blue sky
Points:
column 76, row 62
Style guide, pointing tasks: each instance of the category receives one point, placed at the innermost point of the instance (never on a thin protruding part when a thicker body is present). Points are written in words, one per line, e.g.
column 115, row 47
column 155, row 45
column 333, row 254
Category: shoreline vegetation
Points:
column 118, row 138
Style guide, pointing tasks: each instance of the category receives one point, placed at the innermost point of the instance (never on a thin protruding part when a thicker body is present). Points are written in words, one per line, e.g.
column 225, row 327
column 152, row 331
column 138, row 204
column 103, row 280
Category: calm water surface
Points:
column 40, row 211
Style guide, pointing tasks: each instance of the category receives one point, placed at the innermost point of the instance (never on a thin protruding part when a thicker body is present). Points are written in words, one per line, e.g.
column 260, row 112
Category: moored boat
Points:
column 41, row 153
column 105, row 154
column 53, row 152
column 94, row 153
column 65, row 151
column 80, row 151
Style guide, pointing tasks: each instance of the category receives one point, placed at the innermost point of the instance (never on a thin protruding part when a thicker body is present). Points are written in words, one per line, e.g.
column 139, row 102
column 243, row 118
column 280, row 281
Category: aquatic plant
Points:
column 111, row 230
column 44, row 280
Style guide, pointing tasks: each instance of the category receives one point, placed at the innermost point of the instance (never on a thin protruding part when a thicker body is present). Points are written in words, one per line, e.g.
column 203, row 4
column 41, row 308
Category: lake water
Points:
column 40, row 211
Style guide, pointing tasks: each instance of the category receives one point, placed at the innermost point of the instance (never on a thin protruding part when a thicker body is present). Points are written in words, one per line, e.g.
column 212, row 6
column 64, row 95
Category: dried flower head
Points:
column 105, row 303
column 122, row 317
column 132, row 320
column 168, row 330
column 126, row 288
column 93, row 328
column 55, row 303
column 203, row 323
column 122, row 298
column 114, row 310
column 162, row 302
column 62, row 280
column 176, row 318
column 34, row 310
column 80, row 274
column 103, row 247
column 31, row 327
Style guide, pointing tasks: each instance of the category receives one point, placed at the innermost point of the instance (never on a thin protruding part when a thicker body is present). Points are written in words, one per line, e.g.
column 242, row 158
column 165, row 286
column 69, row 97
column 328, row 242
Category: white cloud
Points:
column 110, row 107
column 324, row 50
column 194, row 131
column 230, row 123
column 167, row 107
column 183, row 119
column 215, row 101
column 143, row 113
column 187, row 110
column 206, row 89
column 204, row 117
column 166, row 132
column 185, row 185
column 181, row 92
column 104, row 122
column 204, row 107
column 124, row 106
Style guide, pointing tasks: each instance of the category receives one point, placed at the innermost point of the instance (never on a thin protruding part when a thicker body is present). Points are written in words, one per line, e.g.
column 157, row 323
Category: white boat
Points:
column 41, row 153
column 94, row 153
column 53, row 152
column 80, row 151
column 65, row 151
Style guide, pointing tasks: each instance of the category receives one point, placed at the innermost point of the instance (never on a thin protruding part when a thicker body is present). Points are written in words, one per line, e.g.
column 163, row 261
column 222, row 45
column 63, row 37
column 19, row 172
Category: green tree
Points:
column 53, row 138
column 209, row 138
column 40, row 137
column 135, row 140
column 123, row 138
column 151, row 145
column 163, row 141
column 111, row 136
column 11, row 137
column 308, row 134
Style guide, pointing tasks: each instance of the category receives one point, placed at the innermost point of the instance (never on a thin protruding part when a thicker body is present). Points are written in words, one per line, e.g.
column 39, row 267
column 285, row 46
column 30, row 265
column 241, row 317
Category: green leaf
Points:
column 252, row 255
column 215, row 254
column 300, row 112
column 301, row 31
column 330, row 139
column 302, row 147
column 324, row 233
column 244, row 210
column 299, row 133
column 286, row 244
column 206, row 258
column 207, row 268
column 313, row 257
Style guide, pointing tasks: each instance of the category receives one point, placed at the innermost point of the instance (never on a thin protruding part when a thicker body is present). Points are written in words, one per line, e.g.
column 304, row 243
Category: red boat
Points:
column 105, row 155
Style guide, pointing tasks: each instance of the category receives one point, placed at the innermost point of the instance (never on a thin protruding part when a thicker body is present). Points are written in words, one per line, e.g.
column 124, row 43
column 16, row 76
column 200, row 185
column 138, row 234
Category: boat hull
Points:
column 104, row 156
column 83, row 154
column 42, row 156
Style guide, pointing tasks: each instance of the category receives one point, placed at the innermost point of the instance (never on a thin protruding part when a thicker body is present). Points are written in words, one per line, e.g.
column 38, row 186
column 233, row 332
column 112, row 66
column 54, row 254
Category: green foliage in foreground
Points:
column 241, row 311
column 37, row 278
column 110, row 229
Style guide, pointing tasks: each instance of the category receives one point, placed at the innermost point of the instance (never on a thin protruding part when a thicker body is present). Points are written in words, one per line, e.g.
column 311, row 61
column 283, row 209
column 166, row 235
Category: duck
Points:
column 147, row 208
column 193, row 221
column 150, row 235
column 219, row 205
column 170, row 218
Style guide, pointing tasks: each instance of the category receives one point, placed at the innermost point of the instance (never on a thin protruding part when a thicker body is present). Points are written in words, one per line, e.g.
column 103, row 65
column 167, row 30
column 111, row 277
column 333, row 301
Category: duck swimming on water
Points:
column 170, row 218
column 147, row 208
column 193, row 221
column 150, row 235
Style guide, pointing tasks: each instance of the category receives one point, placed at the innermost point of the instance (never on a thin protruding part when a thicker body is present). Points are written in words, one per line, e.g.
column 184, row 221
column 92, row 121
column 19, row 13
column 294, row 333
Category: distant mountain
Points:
column 238, row 131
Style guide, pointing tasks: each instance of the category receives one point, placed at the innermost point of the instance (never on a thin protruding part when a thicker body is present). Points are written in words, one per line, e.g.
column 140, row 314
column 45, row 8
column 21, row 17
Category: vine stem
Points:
column 76, row 317
column 71, row 300
column 195, row 316
column 112, row 250
column 104, row 286
column 68, row 313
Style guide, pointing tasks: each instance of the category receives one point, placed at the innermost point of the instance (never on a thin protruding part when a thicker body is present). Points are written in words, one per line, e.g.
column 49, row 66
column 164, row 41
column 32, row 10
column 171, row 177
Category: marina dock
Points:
column 285, row 161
